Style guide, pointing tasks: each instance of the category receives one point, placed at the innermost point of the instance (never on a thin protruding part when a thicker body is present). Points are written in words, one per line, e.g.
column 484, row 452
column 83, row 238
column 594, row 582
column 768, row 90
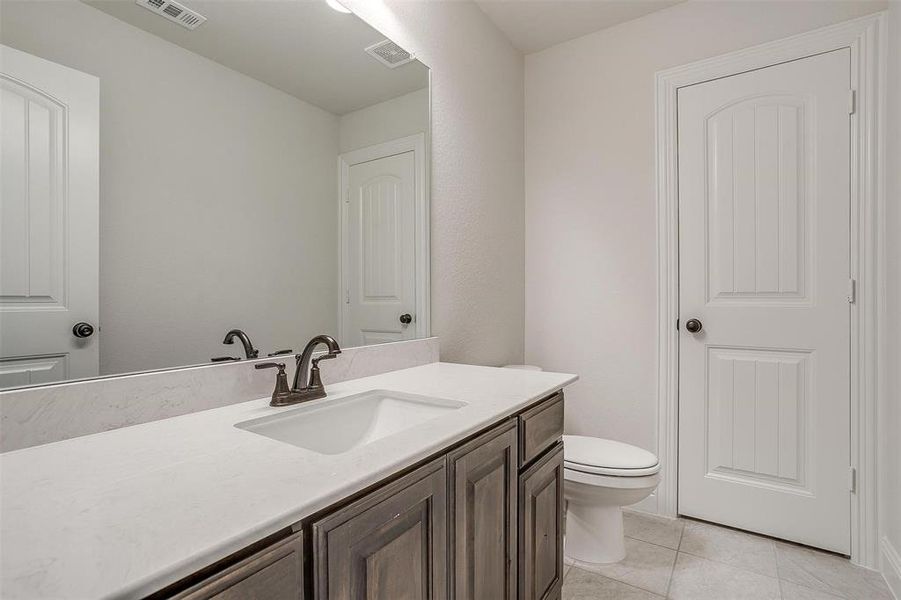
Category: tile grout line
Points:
column 745, row 569
column 669, row 580
column 731, row 565
column 610, row 577
column 672, row 573
column 617, row 581
column 819, row 580
column 778, row 579
column 629, row 537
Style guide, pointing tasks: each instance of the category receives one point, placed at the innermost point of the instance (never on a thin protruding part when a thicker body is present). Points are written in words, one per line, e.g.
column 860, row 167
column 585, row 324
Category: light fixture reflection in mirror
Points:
column 338, row 6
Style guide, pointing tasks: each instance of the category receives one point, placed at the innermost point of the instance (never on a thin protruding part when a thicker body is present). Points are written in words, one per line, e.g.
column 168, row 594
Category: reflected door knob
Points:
column 83, row 330
column 406, row 318
column 693, row 326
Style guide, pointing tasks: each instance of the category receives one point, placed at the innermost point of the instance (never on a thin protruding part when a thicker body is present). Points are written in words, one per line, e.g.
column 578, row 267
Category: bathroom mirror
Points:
column 172, row 171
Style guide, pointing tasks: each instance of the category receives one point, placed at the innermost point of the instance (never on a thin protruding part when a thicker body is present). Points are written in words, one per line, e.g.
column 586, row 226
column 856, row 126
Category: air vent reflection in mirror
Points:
column 389, row 54
column 174, row 11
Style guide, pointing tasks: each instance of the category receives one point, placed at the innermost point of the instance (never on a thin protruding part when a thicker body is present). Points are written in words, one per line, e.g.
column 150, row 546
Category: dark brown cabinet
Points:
column 275, row 573
column 483, row 477
column 389, row 545
column 541, row 528
column 482, row 522
column 540, row 427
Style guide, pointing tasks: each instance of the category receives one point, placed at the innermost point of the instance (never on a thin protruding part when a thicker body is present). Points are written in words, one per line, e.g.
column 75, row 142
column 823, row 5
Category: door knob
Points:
column 693, row 326
column 406, row 318
column 83, row 330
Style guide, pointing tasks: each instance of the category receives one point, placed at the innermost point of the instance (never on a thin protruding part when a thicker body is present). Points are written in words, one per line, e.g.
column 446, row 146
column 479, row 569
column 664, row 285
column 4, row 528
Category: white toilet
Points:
column 602, row 476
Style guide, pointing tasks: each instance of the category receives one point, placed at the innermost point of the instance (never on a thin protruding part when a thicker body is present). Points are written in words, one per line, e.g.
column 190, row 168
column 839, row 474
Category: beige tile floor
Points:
column 690, row 560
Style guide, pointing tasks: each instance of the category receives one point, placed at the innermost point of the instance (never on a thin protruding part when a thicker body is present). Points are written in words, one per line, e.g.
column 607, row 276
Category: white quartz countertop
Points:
column 127, row 512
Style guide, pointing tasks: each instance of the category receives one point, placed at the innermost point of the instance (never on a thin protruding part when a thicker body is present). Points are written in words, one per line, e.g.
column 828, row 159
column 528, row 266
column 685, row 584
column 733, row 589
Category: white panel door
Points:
column 764, row 220
column 380, row 286
column 49, row 186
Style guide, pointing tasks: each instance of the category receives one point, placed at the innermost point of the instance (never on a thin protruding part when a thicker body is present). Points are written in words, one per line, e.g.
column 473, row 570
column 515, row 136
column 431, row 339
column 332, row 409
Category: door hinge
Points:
column 852, row 101
column 852, row 480
column 347, row 196
column 852, row 291
column 677, row 324
column 346, row 296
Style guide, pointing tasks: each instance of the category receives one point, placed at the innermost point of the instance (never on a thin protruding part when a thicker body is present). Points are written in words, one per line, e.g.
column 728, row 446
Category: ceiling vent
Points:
column 175, row 12
column 389, row 54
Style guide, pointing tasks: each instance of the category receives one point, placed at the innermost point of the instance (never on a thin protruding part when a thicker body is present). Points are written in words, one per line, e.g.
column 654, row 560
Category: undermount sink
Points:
column 337, row 426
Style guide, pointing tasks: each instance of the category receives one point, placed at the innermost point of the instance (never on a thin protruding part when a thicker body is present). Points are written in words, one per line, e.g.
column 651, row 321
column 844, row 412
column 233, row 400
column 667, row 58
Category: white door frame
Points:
column 416, row 144
column 866, row 38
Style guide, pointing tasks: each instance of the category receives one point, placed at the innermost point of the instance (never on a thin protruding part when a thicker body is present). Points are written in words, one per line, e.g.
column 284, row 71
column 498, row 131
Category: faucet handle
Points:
column 280, row 352
column 223, row 358
column 270, row 365
column 281, row 395
column 323, row 357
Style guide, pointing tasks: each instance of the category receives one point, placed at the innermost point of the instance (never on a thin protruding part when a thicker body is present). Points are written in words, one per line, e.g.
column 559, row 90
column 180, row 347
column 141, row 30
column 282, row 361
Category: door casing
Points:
column 866, row 39
column 416, row 144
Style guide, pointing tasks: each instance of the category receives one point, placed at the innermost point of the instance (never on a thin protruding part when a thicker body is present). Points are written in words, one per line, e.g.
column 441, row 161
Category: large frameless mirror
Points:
column 174, row 171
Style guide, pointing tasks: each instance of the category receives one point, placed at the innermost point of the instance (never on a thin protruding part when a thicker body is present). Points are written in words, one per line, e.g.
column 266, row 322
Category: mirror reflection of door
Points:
column 379, row 303
column 48, row 221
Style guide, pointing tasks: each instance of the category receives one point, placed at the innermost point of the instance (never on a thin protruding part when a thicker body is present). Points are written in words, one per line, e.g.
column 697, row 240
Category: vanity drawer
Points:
column 540, row 427
column 275, row 573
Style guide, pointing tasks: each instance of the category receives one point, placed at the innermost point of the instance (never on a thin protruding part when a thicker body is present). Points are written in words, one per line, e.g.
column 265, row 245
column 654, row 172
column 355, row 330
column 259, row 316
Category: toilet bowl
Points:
column 600, row 477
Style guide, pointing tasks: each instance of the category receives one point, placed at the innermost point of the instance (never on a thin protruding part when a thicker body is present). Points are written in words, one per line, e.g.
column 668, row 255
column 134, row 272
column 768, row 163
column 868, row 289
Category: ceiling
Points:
column 533, row 25
column 303, row 48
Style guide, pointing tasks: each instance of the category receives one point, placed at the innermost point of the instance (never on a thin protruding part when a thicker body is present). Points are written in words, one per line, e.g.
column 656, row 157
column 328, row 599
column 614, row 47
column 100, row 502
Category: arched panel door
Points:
column 380, row 286
column 48, row 221
column 764, row 266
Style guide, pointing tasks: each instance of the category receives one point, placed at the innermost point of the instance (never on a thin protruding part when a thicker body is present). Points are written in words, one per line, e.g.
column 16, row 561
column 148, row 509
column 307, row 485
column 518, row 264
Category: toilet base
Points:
column 594, row 534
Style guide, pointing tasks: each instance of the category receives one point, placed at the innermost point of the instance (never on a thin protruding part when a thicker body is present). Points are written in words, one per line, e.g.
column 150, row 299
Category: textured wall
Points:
column 477, row 173
column 590, row 203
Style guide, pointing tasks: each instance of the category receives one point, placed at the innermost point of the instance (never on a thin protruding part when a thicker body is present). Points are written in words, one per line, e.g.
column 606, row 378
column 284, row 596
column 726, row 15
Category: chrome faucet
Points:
column 307, row 381
column 249, row 350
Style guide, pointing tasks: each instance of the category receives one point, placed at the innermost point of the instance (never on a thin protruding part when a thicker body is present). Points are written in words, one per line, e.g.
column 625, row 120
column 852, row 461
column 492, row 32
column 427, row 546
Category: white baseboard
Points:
column 890, row 565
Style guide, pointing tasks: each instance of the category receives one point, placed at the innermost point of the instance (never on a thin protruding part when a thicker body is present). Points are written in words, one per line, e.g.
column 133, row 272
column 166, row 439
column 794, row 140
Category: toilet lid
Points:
column 607, row 457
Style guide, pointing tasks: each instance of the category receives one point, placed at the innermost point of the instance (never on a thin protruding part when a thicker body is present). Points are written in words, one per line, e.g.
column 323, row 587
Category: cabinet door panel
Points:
column 274, row 573
column 389, row 545
column 541, row 528
column 483, row 501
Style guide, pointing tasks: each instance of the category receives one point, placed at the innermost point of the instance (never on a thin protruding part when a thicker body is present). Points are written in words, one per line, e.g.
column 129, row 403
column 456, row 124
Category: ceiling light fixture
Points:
column 335, row 5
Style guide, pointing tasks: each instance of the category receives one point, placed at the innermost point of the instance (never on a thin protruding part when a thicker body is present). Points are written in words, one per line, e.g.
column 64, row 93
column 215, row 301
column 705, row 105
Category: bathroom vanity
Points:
column 464, row 503
column 482, row 520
